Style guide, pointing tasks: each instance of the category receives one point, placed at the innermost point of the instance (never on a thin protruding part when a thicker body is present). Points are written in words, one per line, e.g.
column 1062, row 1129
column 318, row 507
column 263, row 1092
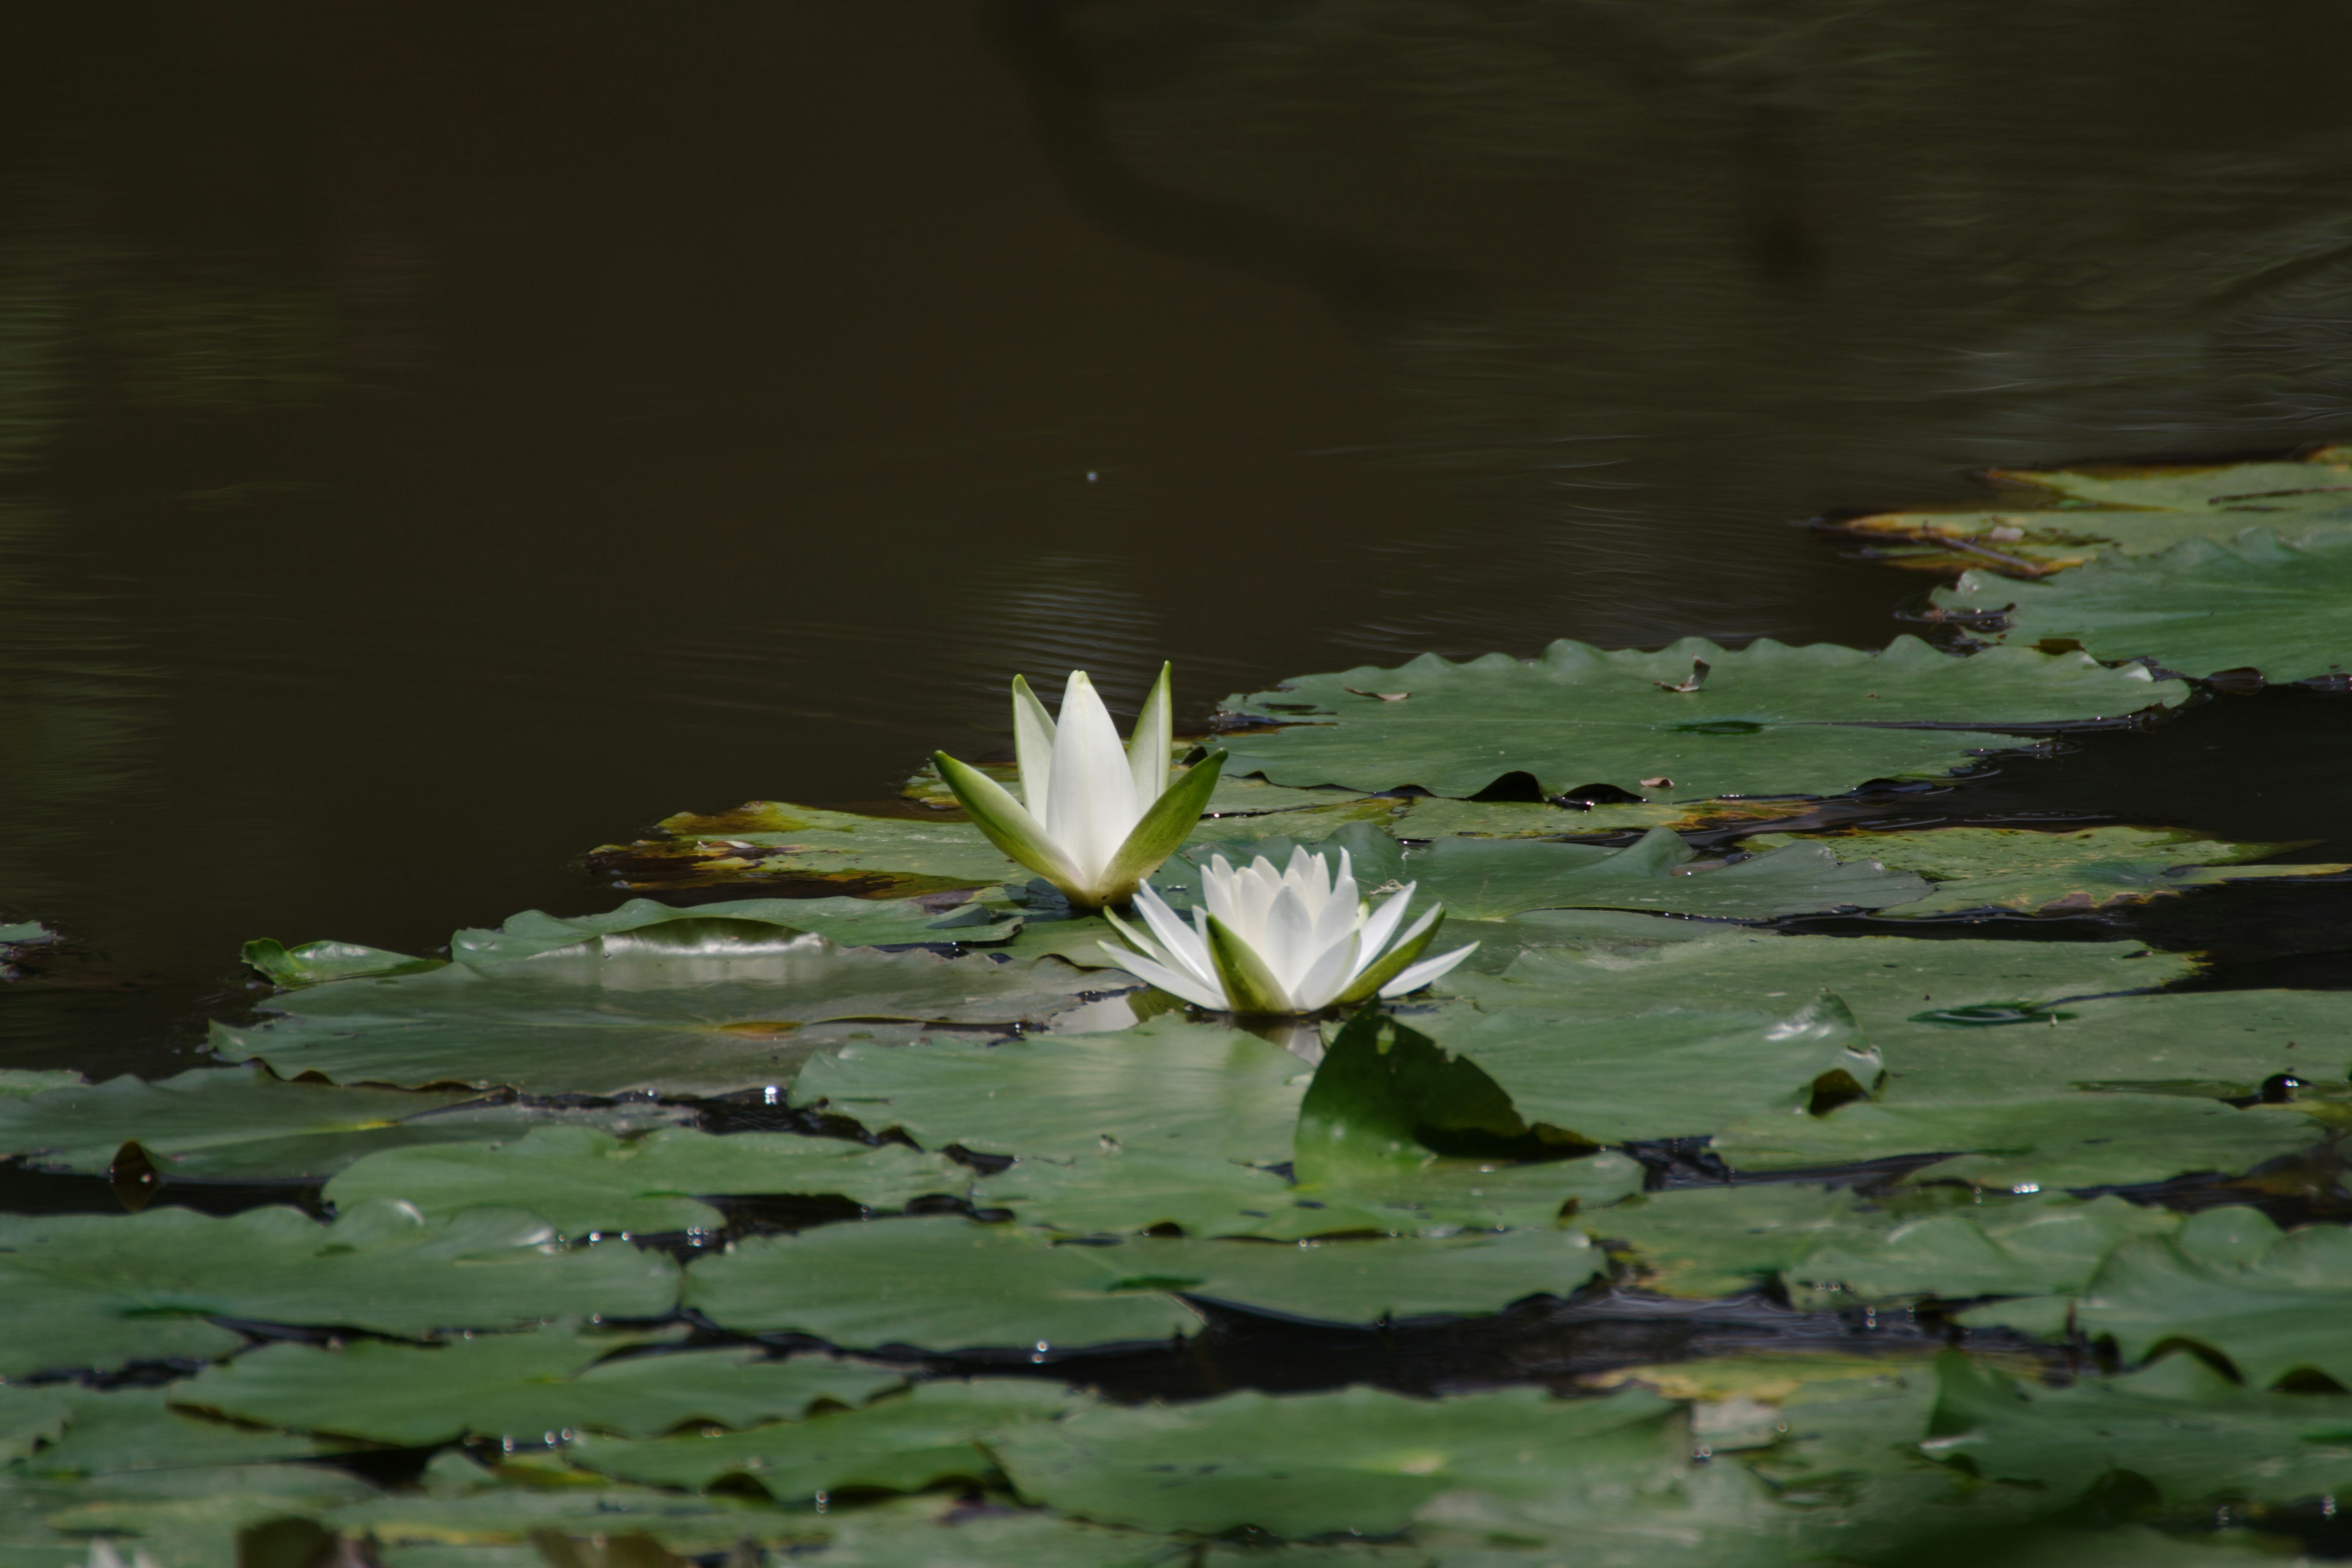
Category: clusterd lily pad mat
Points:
column 1795, row 1172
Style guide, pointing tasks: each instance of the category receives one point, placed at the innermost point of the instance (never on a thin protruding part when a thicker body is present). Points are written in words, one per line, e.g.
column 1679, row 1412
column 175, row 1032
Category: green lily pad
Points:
column 931, row 1433
column 2260, row 601
column 944, row 1283
column 946, row 1533
column 2052, row 873
column 1770, row 720
column 2231, row 1284
column 517, row 1387
column 2181, row 1428
column 1123, row 1193
column 29, row 1417
column 591, row 1023
column 2029, row 1145
column 1718, row 1241
column 1606, row 1079
column 100, row 1290
column 17, row 1081
column 1493, row 879
column 766, row 840
column 1167, row 1086
column 941, row 1283
column 222, row 1124
column 2033, row 1249
column 462, row 1516
column 1361, row 1460
column 583, row 1182
column 136, row 1429
column 315, row 963
column 737, row 926
column 192, row 1515
column 1434, row 816
column 2218, row 1044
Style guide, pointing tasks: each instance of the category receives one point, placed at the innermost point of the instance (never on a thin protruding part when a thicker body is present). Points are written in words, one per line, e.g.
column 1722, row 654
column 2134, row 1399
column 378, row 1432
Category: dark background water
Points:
column 435, row 438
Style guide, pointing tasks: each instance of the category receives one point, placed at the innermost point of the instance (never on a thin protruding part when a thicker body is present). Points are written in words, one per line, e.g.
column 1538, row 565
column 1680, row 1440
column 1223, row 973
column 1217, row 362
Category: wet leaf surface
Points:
column 583, row 1182
column 517, row 1387
column 2263, row 601
column 731, row 927
column 1772, row 720
column 98, row 1291
column 587, row 1022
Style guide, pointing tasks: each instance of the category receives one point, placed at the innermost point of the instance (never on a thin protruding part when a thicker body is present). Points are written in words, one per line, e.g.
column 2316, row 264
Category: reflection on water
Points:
column 434, row 442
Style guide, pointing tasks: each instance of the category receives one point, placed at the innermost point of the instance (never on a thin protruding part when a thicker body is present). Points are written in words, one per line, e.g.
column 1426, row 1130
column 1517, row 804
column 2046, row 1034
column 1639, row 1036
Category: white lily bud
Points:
column 1094, row 818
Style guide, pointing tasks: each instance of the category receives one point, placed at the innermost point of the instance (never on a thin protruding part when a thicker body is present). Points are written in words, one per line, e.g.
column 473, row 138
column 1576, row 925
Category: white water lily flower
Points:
column 1297, row 940
column 1098, row 817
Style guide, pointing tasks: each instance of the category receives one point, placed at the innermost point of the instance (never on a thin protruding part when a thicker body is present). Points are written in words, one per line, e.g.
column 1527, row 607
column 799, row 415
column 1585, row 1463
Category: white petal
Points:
column 1167, row 979
column 1322, row 984
column 1288, row 948
column 1379, row 926
column 1033, row 745
column 1090, row 804
column 1416, row 975
column 1336, row 918
column 1187, row 948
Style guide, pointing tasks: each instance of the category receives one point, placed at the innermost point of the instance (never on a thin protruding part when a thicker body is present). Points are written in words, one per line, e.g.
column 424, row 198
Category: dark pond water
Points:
column 437, row 438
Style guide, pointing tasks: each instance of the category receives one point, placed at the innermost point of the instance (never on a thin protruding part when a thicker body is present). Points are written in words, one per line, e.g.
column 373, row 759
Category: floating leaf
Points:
column 942, row 1283
column 2051, row 873
column 2279, row 605
column 192, row 1515
column 1774, row 719
column 2032, row 1248
column 1119, row 1192
column 29, row 1416
column 1361, row 1460
column 517, row 1387
column 135, row 1429
column 1718, row 1241
column 1434, row 816
column 585, row 1022
column 314, row 962
column 773, row 841
column 1371, row 1281
column 733, row 928
column 97, row 1291
column 1492, row 879
column 934, row 1432
column 2231, row 1283
column 582, row 1181
column 1605, row 1079
column 1168, row 1086
column 2029, row 1145
column 937, row 1532
column 463, row 1517
column 16, row 1081
column 2180, row 1427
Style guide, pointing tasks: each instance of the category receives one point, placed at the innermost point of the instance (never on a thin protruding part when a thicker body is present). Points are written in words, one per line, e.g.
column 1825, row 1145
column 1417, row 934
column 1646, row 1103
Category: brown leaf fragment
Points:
column 1697, row 678
column 1661, row 782
column 1382, row 696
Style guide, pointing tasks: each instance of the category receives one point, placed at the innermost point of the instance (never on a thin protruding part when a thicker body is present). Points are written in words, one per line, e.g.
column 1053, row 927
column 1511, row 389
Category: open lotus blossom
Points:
column 1296, row 939
column 1094, row 818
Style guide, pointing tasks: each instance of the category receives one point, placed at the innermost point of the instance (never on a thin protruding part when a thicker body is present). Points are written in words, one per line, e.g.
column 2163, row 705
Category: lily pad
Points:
column 29, row 1417
column 1167, row 1086
column 2281, row 605
column 314, row 962
column 2217, row 1044
column 1361, row 1460
column 192, row 1516
column 1718, row 1241
column 2052, row 873
column 2181, row 1428
column 583, row 1182
column 591, row 1023
column 733, row 928
column 136, row 1429
column 462, row 1516
column 100, row 1290
column 1434, row 816
column 19, row 1081
column 766, row 840
column 1770, row 720
column 517, row 1387
column 2033, row 1248
column 1493, row 879
column 934, row 1432
column 1664, row 1075
column 2029, row 1145
column 2231, row 1284
column 946, row 1284
column 948, row 1533
column 941, row 1283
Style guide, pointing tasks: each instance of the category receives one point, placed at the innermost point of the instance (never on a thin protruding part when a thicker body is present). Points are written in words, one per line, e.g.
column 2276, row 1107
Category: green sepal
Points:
column 1004, row 821
column 1154, row 737
column 1164, row 828
column 1249, row 984
column 1392, row 963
